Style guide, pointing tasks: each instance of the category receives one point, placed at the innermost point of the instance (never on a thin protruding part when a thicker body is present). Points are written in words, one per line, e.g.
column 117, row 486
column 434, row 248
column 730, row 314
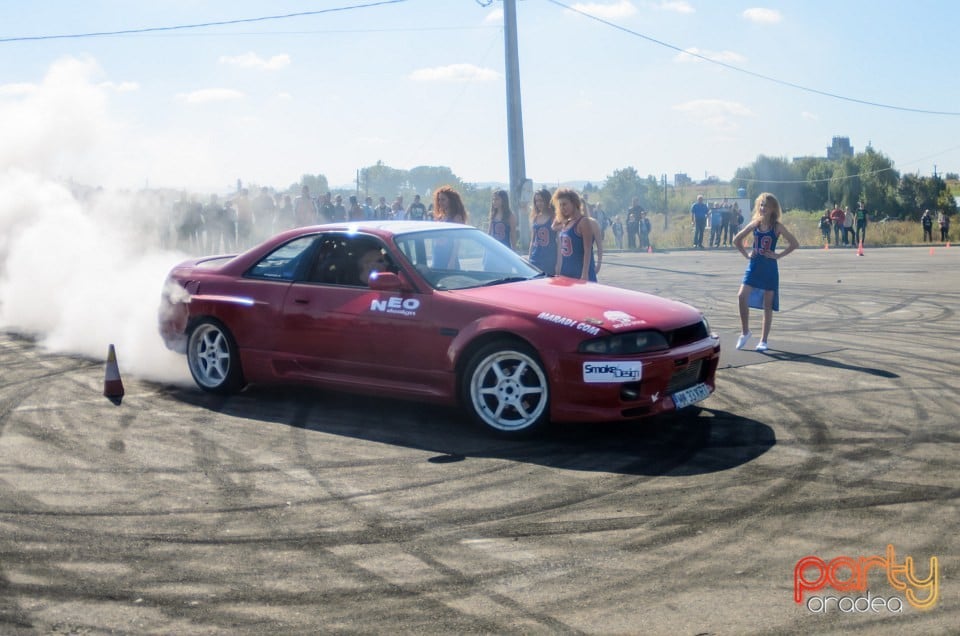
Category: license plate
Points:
column 690, row 396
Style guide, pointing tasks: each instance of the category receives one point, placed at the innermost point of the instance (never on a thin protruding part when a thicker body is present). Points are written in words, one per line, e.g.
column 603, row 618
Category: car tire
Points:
column 505, row 389
column 213, row 358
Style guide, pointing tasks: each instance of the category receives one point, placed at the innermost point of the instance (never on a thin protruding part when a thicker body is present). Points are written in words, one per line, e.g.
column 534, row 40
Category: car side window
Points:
column 282, row 263
column 348, row 260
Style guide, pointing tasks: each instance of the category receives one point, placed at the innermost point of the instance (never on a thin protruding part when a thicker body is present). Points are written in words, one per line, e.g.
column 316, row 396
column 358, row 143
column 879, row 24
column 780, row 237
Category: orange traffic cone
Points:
column 112, row 384
column 649, row 249
column 931, row 251
column 860, row 249
column 948, row 243
column 826, row 246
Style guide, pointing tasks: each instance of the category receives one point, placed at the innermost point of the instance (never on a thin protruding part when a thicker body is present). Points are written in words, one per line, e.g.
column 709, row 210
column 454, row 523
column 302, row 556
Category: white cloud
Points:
column 808, row 116
column 607, row 10
column 455, row 73
column 494, row 17
column 254, row 61
column 284, row 96
column 727, row 57
column 677, row 6
column 763, row 16
column 17, row 90
column 716, row 114
column 120, row 87
column 205, row 95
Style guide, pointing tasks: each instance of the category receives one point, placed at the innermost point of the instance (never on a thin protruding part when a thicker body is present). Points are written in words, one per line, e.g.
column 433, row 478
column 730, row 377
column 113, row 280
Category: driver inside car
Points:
column 370, row 262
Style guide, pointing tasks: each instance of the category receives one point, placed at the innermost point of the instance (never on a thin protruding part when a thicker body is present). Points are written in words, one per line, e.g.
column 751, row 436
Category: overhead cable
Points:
column 752, row 73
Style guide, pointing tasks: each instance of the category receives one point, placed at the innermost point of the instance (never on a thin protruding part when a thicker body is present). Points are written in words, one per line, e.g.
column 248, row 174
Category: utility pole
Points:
column 519, row 186
column 666, row 211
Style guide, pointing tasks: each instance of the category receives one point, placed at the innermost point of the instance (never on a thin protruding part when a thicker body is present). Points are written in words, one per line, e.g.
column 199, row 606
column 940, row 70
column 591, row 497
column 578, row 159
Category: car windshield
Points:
column 461, row 258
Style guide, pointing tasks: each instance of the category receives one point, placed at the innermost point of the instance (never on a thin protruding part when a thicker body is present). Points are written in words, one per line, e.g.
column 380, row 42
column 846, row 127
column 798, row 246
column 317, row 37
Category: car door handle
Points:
column 301, row 301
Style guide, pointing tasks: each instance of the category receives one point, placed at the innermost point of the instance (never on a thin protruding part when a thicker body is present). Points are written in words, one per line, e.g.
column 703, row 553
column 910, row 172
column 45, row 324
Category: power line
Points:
column 752, row 73
column 198, row 25
column 328, row 31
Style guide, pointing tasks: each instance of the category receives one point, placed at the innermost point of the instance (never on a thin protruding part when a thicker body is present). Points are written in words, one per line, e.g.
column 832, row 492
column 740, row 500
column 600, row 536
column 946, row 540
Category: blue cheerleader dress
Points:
column 762, row 273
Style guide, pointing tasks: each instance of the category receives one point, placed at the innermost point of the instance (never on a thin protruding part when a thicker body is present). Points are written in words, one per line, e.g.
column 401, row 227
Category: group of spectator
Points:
column 221, row 226
column 943, row 221
column 848, row 228
column 724, row 219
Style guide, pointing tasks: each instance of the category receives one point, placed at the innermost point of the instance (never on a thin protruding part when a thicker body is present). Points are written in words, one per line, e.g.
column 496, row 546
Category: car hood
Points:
column 560, row 299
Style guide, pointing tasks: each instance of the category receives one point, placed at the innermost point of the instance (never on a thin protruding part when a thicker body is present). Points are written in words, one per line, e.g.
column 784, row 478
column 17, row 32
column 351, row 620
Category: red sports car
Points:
column 440, row 312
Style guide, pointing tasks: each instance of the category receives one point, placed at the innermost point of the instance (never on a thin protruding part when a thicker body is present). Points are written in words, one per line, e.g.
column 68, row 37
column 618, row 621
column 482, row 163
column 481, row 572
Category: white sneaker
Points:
column 761, row 346
column 742, row 339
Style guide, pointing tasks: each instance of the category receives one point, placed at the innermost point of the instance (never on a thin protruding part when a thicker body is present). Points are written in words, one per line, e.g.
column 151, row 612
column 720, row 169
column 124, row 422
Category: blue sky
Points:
column 420, row 82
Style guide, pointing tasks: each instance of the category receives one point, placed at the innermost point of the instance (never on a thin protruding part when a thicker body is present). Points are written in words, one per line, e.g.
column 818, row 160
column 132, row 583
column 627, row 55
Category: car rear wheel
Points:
column 505, row 389
column 213, row 358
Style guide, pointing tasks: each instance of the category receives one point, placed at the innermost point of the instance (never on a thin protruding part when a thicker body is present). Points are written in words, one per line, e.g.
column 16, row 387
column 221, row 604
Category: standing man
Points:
column 698, row 215
column 325, row 209
column 944, row 222
column 633, row 222
column 600, row 215
column 926, row 222
column 726, row 218
column 304, row 209
column 860, row 217
column 264, row 211
column 716, row 221
column 382, row 211
column 836, row 218
column 824, row 226
column 245, row 218
column 339, row 210
column 644, row 230
column 417, row 210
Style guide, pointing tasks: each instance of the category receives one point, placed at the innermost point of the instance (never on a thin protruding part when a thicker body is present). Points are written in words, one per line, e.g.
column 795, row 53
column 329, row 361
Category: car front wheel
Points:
column 213, row 358
column 505, row 389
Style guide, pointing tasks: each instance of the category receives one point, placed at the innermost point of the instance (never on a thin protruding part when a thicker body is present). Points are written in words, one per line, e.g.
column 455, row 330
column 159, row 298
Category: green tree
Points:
column 878, row 181
column 425, row 179
column 317, row 184
column 381, row 180
column 620, row 188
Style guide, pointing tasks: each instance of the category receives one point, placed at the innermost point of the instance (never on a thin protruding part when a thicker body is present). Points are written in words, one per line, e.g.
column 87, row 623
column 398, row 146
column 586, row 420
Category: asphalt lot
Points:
column 300, row 512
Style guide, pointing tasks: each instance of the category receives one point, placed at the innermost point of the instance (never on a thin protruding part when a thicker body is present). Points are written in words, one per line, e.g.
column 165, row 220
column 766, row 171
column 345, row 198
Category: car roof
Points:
column 381, row 228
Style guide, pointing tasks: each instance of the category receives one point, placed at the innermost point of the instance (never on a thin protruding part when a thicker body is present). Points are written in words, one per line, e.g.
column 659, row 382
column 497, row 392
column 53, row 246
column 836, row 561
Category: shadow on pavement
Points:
column 692, row 442
column 833, row 364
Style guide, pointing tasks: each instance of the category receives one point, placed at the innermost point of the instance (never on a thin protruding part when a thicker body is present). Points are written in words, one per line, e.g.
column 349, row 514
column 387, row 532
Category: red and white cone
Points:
column 112, row 384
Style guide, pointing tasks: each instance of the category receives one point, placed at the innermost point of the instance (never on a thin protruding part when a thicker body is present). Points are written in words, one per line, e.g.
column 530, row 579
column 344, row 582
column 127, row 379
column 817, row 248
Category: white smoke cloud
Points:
column 607, row 10
column 455, row 73
column 81, row 267
column 254, row 61
column 763, row 16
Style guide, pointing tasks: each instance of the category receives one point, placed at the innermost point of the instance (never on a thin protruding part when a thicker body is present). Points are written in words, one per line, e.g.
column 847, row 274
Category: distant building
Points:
column 839, row 149
column 681, row 179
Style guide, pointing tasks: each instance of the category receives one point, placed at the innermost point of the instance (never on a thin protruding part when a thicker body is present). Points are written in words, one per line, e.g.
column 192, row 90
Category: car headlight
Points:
column 707, row 330
column 625, row 343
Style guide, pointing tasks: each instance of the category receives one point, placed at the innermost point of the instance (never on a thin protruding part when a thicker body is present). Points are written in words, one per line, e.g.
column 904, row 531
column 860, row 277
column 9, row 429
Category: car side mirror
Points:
column 386, row 281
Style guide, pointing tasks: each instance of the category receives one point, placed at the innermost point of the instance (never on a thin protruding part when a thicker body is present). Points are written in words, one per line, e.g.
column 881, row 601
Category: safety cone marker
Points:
column 948, row 243
column 112, row 384
column 826, row 246
column 649, row 249
column 860, row 249
column 931, row 251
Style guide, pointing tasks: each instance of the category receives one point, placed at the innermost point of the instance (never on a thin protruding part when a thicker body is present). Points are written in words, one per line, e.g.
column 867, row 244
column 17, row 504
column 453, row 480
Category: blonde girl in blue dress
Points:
column 762, row 276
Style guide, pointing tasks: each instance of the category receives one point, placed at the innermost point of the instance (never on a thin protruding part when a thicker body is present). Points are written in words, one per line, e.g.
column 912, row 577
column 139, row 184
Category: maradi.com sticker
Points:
column 847, row 574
